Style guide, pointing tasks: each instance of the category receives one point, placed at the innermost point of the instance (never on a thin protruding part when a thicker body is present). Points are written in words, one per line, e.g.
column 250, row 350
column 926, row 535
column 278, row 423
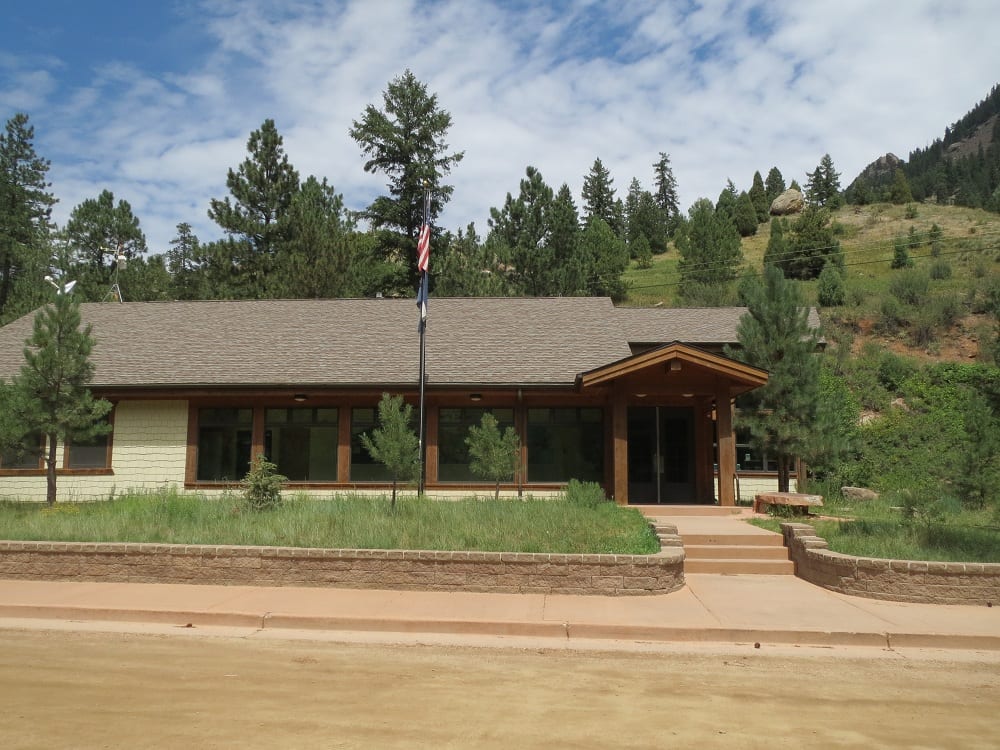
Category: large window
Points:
column 565, row 444
column 302, row 442
column 364, row 468
column 89, row 454
column 224, row 442
column 749, row 459
column 31, row 458
column 453, row 429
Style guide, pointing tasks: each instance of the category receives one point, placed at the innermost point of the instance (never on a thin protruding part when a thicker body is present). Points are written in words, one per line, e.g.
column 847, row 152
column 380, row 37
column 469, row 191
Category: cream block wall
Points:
column 149, row 451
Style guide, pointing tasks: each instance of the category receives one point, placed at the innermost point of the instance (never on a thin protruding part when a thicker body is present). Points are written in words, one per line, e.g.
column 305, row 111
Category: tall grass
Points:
column 554, row 525
column 880, row 529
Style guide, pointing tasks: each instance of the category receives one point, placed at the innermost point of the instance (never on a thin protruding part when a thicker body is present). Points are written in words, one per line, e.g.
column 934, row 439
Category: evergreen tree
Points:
column 666, row 192
column 25, row 218
column 900, row 192
column 774, row 335
column 406, row 141
column 393, row 443
column 725, row 207
column 823, row 185
column 758, row 196
column 467, row 267
column 830, row 290
column 255, row 219
column 777, row 246
column 811, row 246
column 50, row 396
column 901, row 253
column 644, row 219
column 98, row 232
column 774, row 185
column 745, row 216
column 521, row 227
column 606, row 258
column 494, row 455
column 570, row 267
column 182, row 264
column 709, row 246
column 599, row 198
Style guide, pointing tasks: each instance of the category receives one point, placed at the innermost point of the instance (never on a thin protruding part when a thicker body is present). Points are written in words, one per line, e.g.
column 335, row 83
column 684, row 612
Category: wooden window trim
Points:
column 107, row 469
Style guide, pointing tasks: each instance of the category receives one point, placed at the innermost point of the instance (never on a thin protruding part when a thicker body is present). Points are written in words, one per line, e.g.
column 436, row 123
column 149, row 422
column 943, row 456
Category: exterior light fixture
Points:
column 675, row 365
column 300, row 397
column 476, row 396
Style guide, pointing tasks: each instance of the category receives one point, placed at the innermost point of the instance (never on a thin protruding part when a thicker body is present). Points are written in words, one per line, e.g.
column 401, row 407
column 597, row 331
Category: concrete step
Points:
column 733, row 552
column 740, row 567
column 734, row 540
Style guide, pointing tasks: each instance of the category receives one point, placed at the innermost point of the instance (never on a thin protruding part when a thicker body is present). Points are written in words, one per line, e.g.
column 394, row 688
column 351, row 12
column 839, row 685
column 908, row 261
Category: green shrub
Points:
column 893, row 370
column 911, row 211
column 911, row 287
column 940, row 270
column 831, row 292
column 892, row 315
column 262, row 485
column 585, row 494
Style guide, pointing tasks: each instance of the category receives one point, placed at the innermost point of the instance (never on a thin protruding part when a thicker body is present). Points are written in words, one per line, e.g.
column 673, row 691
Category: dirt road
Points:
column 117, row 690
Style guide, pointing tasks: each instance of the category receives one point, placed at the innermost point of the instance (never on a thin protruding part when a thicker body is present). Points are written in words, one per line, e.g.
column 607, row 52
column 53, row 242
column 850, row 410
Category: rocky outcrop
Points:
column 789, row 202
column 858, row 494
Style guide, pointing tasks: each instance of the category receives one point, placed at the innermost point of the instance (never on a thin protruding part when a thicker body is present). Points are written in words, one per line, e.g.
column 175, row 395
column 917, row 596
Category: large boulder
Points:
column 858, row 494
column 789, row 202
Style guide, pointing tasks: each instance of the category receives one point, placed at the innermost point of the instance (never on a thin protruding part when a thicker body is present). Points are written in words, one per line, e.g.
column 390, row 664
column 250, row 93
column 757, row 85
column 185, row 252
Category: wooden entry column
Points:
column 726, row 438
column 619, row 448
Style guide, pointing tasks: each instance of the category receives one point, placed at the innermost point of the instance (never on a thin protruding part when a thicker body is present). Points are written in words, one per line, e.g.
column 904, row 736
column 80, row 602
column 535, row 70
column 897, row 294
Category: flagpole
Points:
column 423, row 256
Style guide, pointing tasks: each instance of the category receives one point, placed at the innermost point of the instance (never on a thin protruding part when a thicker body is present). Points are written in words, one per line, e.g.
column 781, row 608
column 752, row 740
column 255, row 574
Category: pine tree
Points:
column 50, row 396
column 758, row 196
column 393, row 443
column 725, row 207
column 606, row 258
column 182, row 264
column 709, row 246
column 255, row 219
column 25, row 218
column 406, row 141
column 666, row 192
column 494, row 455
column 644, row 219
column 811, row 246
column 900, row 192
column 522, row 228
column 98, row 233
column 774, row 335
column 599, row 198
column 823, row 185
column 745, row 216
column 777, row 246
column 774, row 185
column 570, row 268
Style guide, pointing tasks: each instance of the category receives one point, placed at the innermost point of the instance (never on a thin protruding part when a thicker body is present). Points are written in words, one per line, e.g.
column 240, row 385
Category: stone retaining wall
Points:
column 493, row 572
column 893, row 580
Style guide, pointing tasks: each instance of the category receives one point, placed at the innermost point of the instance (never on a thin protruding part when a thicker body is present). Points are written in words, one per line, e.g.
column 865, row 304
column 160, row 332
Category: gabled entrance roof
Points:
column 678, row 368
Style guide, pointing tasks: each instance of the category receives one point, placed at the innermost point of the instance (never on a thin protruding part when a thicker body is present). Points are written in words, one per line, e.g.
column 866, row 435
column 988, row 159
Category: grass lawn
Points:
column 878, row 529
column 555, row 525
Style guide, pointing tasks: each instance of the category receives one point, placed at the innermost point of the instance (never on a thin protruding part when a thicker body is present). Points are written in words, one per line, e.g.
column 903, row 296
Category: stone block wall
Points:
column 893, row 580
column 492, row 572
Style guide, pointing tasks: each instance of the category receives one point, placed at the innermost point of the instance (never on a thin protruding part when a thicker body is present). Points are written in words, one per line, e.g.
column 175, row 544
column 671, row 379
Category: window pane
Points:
column 302, row 442
column 88, row 454
column 224, row 443
column 565, row 444
column 28, row 460
column 453, row 429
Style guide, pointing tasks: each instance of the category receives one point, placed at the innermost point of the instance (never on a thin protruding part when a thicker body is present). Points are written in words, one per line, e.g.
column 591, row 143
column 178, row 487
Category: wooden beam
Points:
column 619, row 418
column 727, row 447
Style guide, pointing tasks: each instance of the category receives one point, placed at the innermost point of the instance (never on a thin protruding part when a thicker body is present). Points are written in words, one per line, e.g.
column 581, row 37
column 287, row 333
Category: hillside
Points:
column 947, row 321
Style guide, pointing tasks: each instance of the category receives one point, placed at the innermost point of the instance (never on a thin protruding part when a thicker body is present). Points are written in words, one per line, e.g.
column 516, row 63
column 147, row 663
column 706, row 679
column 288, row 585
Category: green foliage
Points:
column 666, row 192
column 810, row 245
column 899, row 193
column 50, row 396
column 911, row 287
column 25, row 219
column 599, row 198
column 758, row 197
column 775, row 335
column 393, row 443
column 344, row 522
column 494, row 455
column 900, row 253
column 774, row 185
column 98, row 232
column 831, row 291
column 745, row 216
column 940, row 270
column 709, row 246
column 262, row 485
column 406, row 141
column 585, row 494
column 823, row 185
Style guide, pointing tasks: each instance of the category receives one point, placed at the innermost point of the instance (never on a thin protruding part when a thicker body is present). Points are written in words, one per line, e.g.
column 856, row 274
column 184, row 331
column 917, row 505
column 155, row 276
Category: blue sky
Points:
column 155, row 101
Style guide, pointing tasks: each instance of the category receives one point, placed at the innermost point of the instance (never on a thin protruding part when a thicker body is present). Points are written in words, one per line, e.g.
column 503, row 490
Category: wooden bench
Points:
column 791, row 499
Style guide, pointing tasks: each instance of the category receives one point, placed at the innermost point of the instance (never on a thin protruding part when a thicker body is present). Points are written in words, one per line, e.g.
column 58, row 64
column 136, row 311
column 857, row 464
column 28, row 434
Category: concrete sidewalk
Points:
column 781, row 610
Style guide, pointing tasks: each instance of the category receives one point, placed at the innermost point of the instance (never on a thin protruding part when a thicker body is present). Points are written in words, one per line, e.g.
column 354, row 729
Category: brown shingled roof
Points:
column 368, row 342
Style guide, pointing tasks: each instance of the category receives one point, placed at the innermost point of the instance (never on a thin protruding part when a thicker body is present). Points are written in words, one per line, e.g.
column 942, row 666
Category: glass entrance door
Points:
column 660, row 454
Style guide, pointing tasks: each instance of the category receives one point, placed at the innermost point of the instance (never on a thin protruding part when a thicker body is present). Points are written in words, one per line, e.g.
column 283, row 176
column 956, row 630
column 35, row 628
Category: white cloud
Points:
column 526, row 83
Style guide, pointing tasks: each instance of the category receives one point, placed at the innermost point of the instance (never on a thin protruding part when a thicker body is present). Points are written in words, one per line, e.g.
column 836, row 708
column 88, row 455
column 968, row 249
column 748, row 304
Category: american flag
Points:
column 424, row 248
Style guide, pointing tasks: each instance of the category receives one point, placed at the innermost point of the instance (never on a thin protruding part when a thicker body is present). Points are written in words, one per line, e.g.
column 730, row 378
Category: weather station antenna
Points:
column 120, row 261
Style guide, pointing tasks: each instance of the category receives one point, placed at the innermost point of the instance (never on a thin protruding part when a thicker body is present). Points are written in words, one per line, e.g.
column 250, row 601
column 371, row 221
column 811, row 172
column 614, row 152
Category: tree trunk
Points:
column 496, row 494
column 50, row 471
column 783, row 473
